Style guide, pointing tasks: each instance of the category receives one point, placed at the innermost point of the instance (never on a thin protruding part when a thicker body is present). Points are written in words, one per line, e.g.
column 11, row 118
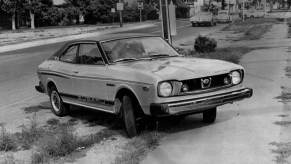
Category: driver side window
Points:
column 89, row 54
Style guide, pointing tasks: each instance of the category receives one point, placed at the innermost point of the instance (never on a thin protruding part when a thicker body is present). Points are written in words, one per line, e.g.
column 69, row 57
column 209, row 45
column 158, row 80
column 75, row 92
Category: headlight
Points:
column 165, row 89
column 236, row 77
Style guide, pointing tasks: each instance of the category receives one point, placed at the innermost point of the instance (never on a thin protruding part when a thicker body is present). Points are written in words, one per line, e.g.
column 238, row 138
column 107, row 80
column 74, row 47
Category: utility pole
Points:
column 165, row 20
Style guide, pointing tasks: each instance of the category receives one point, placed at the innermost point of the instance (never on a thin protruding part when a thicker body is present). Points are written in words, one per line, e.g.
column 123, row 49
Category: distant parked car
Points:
column 223, row 16
column 253, row 13
column 138, row 75
column 203, row 18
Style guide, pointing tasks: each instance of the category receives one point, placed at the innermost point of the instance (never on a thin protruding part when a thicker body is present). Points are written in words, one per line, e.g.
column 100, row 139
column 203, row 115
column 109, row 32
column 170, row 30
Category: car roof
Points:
column 112, row 36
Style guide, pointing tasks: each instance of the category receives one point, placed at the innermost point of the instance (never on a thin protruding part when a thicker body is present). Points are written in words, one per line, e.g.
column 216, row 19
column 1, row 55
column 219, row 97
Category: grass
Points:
column 251, row 28
column 136, row 149
column 29, row 134
column 50, row 142
column 7, row 142
column 285, row 96
column 256, row 31
column 283, row 151
column 231, row 54
column 283, row 123
column 288, row 71
column 62, row 141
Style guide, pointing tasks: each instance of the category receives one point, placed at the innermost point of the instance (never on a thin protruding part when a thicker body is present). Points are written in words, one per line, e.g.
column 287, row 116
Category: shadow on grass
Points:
column 36, row 108
column 93, row 118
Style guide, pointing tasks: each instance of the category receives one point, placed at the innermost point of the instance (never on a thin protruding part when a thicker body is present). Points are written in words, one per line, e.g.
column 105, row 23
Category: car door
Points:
column 62, row 70
column 90, row 77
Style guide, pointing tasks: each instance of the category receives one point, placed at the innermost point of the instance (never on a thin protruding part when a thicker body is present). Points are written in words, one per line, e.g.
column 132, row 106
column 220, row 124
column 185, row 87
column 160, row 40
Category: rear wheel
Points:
column 59, row 108
column 209, row 116
column 128, row 116
column 193, row 24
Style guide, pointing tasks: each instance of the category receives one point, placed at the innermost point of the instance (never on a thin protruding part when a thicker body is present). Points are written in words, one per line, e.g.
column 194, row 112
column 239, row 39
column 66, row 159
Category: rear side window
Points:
column 70, row 54
column 89, row 54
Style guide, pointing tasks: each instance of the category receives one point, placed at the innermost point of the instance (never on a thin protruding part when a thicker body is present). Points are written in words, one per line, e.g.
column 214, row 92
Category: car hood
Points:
column 182, row 68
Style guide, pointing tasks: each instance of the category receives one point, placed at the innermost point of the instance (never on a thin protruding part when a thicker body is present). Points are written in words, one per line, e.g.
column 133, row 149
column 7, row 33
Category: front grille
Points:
column 216, row 82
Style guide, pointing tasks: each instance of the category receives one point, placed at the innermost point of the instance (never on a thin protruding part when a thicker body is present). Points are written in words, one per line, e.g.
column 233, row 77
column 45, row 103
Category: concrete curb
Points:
column 17, row 46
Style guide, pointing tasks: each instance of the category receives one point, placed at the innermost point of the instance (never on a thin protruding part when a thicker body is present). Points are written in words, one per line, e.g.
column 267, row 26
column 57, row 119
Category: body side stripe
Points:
column 87, row 77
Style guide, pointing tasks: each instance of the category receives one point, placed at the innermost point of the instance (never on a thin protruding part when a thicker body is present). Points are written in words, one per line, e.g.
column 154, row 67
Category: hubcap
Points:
column 56, row 101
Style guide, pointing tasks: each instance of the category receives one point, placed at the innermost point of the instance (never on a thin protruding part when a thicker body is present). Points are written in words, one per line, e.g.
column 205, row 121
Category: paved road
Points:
column 18, row 73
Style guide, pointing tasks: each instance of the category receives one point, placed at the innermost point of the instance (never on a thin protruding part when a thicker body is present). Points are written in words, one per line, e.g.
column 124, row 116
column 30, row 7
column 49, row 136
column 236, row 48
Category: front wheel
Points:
column 209, row 116
column 128, row 115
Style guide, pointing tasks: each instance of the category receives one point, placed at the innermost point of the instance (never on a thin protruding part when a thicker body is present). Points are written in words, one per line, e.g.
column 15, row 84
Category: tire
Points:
column 59, row 108
column 252, row 17
column 193, row 24
column 209, row 116
column 128, row 116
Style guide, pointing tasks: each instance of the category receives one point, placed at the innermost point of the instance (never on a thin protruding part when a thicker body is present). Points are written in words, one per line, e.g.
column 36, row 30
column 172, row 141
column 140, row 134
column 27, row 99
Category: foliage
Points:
column 182, row 12
column 204, row 44
column 36, row 6
column 11, row 6
column 230, row 54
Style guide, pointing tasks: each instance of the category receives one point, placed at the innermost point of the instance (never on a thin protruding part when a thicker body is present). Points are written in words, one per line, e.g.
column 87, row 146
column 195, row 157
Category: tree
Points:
column 36, row 7
column 11, row 7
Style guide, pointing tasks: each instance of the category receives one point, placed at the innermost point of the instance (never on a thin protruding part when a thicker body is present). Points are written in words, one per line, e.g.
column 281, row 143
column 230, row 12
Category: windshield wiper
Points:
column 161, row 55
column 124, row 59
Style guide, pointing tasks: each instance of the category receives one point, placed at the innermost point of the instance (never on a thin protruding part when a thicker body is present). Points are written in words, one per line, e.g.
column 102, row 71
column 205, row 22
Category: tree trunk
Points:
column 31, row 19
column 13, row 22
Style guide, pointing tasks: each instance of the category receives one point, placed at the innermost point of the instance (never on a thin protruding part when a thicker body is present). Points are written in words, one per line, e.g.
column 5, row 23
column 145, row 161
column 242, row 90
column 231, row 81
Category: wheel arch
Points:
column 126, row 90
column 50, row 83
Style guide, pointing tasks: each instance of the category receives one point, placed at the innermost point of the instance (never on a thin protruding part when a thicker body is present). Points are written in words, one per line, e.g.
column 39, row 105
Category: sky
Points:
column 58, row 1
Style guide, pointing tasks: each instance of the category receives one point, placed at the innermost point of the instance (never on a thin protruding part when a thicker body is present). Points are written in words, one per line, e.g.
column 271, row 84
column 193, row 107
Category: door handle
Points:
column 76, row 72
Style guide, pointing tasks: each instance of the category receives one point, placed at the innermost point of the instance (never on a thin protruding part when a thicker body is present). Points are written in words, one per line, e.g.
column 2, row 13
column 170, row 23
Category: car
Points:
column 223, row 16
column 203, row 18
column 253, row 13
column 137, row 75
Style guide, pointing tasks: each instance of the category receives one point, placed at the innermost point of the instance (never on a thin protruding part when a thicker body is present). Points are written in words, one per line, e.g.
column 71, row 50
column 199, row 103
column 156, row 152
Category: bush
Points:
column 204, row 44
column 182, row 12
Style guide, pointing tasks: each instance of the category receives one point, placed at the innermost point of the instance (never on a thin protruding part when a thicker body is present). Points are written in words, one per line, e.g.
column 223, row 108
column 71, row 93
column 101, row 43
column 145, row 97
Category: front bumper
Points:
column 198, row 105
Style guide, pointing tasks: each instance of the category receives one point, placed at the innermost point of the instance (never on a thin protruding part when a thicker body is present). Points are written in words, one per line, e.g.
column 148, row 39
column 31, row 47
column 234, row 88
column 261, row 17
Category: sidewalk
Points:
column 10, row 41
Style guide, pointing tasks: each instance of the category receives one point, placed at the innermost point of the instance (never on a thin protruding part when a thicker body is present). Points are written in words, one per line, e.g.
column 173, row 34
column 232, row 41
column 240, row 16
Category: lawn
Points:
column 230, row 54
column 252, row 28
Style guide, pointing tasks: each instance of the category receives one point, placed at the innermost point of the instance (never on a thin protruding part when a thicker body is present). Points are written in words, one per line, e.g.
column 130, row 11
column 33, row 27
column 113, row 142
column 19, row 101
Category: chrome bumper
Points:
column 200, row 104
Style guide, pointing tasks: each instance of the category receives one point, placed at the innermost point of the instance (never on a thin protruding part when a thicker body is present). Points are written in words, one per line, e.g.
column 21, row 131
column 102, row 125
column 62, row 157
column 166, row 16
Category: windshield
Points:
column 137, row 49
